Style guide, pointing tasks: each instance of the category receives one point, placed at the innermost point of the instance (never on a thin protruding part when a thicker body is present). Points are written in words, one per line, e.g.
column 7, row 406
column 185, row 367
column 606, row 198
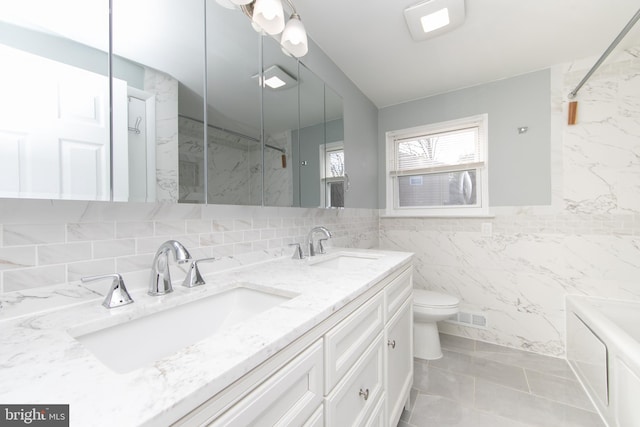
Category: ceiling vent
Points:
column 434, row 17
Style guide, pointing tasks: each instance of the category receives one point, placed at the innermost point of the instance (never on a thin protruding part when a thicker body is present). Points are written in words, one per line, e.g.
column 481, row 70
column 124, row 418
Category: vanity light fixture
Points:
column 434, row 17
column 268, row 16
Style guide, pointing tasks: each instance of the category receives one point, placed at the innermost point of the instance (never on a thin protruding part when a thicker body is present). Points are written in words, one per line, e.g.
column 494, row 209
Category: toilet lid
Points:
column 433, row 299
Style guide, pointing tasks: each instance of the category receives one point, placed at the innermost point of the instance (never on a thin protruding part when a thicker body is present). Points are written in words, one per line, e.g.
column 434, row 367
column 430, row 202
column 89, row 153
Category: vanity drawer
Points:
column 397, row 292
column 354, row 399
column 289, row 397
column 346, row 342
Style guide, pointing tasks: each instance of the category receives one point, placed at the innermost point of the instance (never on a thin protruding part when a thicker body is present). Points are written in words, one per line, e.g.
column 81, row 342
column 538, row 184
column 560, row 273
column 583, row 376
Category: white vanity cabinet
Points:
column 383, row 374
column 353, row 369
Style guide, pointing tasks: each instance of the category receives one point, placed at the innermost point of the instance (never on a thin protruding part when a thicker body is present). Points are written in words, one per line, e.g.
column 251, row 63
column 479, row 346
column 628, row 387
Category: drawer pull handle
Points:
column 391, row 344
column 364, row 393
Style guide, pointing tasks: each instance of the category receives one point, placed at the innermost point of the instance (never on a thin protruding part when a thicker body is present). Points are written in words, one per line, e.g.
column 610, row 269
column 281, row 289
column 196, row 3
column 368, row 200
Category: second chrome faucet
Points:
column 313, row 249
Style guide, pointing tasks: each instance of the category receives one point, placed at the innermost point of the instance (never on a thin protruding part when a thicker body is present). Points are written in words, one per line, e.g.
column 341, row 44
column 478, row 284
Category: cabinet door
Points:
column 353, row 400
column 288, row 398
column 399, row 360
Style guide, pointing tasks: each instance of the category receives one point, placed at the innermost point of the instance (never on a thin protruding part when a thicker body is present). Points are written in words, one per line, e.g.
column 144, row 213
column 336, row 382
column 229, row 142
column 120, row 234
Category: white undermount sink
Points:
column 345, row 261
column 142, row 341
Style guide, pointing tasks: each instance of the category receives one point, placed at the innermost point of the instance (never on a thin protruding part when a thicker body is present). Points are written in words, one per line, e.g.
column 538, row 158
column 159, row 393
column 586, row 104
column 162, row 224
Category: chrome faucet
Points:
column 193, row 277
column 312, row 246
column 117, row 295
column 160, row 281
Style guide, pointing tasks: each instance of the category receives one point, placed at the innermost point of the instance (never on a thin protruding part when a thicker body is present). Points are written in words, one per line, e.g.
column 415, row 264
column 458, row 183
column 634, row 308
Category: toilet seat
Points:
column 430, row 299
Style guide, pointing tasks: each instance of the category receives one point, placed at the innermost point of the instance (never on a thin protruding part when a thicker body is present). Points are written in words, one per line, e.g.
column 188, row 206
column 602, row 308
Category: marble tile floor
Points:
column 477, row 384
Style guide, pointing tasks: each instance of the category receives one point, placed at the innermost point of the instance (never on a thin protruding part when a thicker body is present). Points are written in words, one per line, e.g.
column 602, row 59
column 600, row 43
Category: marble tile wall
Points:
column 165, row 88
column 235, row 167
column 587, row 242
column 48, row 243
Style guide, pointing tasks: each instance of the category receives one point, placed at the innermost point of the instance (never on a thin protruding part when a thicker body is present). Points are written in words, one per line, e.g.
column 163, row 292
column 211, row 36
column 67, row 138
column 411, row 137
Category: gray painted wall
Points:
column 519, row 165
column 360, row 130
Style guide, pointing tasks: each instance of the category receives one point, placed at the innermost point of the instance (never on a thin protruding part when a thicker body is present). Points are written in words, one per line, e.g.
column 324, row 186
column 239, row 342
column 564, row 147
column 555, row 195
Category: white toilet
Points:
column 429, row 308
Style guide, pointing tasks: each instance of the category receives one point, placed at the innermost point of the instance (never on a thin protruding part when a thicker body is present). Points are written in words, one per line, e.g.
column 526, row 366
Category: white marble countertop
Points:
column 42, row 363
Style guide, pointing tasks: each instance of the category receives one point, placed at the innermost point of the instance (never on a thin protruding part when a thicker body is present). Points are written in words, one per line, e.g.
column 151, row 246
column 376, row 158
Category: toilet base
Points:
column 426, row 341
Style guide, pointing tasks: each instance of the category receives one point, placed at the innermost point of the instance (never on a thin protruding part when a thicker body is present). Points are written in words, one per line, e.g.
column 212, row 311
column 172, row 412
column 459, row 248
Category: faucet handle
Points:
column 117, row 295
column 297, row 254
column 193, row 277
column 321, row 246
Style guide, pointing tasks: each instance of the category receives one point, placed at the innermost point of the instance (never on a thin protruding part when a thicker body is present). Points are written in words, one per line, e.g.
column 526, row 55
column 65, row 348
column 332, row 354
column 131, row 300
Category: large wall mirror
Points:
column 280, row 92
column 273, row 130
column 234, row 153
column 54, row 103
column 158, row 89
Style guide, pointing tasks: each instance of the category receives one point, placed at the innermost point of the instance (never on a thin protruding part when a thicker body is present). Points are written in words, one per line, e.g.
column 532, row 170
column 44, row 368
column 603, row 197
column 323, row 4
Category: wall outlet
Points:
column 486, row 229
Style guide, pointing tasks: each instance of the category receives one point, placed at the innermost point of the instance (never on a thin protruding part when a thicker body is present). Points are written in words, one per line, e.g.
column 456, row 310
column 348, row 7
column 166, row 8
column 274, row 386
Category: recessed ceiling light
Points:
column 276, row 78
column 435, row 20
column 274, row 82
column 434, row 17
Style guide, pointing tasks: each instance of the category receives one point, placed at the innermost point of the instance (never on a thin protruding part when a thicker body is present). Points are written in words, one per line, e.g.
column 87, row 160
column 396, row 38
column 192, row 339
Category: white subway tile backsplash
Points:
column 242, row 224
column 221, row 251
column 251, row 235
column 134, row 229
column 169, row 228
column 222, row 225
column 63, row 253
column 242, row 248
column 52, row 242
column 113, row 248
column 17, row 280
column 77, row 270
column 198, row 226
column 31, row 234
column 17, row 257
column 132, row 263
column 90, row 231
column 211, row 239
column 268, row 233
column 233, row 237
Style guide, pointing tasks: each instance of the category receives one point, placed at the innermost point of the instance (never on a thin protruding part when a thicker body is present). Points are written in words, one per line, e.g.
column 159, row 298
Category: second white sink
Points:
column 140, row 342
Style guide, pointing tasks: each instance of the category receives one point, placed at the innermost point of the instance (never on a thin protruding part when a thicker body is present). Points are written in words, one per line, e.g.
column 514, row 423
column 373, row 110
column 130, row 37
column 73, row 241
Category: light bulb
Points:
column 241, row 2
column 294, row 37
column 269, row 15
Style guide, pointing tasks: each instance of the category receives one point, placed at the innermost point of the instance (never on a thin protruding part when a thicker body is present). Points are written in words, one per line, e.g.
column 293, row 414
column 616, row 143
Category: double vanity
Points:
column 321, row 341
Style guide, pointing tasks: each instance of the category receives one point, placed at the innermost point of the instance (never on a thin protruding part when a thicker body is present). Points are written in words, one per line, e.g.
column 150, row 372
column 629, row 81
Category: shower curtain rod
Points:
column 282, row 150
column 606, row 53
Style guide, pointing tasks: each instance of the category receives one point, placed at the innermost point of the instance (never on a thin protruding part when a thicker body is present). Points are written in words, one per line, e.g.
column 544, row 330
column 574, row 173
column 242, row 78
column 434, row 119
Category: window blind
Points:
column 452, row 150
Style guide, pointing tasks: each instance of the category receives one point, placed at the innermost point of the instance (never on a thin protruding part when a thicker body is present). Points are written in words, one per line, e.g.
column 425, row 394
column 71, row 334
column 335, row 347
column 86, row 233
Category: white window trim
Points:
column 322, row 155
column 481, row 210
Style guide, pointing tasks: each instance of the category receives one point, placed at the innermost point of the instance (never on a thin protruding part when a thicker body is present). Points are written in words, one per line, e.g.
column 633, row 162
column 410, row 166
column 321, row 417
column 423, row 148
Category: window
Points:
column 332, row 174
column 439, row 169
